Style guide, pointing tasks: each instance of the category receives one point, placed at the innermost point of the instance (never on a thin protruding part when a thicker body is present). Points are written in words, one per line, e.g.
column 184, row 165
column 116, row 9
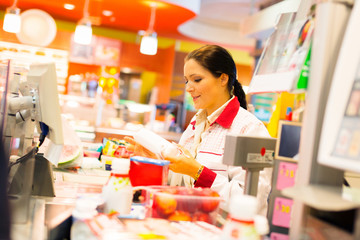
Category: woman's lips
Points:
column 195, row 98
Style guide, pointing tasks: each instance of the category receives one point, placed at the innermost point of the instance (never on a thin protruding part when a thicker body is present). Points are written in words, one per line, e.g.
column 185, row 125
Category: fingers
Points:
column 130, row 148
column 173, row 167
column 184, row 151
column 131, row 144
column 130, row 140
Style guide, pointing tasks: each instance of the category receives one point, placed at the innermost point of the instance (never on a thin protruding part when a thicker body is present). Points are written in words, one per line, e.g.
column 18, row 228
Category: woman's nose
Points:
column 189, row 87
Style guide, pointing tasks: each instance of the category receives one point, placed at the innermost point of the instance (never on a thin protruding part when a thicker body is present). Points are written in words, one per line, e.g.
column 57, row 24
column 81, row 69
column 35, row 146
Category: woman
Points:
column 210, row 76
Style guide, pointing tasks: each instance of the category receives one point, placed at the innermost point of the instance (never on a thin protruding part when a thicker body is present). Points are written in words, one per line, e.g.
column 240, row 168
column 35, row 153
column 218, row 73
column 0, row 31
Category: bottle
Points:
column 262, row 226
column 117, row 192
column 85, row 209
column 240, row 223
column 155, row 143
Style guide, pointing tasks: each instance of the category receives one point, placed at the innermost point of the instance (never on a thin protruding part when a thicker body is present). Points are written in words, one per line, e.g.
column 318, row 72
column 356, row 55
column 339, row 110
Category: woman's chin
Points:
column 197, row 106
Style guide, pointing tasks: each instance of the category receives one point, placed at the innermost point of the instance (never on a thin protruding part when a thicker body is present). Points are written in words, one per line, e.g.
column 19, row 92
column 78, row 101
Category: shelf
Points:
column 170, row 136
column 321, row 197
column 273, row 82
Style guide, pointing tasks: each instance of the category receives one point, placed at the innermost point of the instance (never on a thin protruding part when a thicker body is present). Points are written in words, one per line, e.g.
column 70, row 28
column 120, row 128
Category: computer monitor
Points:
column 43, row 76
column 340, row 137
column 33, row 176
column 287, row 145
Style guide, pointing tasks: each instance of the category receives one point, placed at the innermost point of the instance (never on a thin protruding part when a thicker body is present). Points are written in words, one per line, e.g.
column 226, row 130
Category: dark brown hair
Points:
column 218, row 60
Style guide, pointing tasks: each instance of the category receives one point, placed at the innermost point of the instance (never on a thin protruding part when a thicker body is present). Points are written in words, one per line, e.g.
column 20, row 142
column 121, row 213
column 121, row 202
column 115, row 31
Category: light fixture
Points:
column 149, row 44
column 12, row 19
column 149, row 41
column 69, row 6
column 107, row 13
column 83, row 31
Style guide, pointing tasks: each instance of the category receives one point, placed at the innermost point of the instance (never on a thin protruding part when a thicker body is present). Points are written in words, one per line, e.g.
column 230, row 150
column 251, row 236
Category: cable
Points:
column 24, row 158
column 44, row 132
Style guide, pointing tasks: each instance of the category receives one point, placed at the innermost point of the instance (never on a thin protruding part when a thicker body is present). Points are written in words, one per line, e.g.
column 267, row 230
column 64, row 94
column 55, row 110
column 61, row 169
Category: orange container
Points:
column 147, row 171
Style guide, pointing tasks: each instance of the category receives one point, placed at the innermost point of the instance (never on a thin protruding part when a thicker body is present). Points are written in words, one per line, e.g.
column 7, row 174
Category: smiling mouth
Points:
column 195, row 98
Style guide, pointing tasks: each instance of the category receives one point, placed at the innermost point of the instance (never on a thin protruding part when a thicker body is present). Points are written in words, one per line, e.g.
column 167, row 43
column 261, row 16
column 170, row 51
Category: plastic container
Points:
column 240, row 223
column 182, row 203
column 85, row 210
column 154, row 142
column 147, row 171
column 117, row 193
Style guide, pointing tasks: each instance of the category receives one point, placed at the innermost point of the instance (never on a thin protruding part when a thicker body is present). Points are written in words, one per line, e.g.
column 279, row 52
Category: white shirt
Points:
column 209, row 151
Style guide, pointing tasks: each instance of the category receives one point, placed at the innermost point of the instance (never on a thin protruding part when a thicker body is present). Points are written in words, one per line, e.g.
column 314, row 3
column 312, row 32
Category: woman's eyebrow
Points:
column 193, row 74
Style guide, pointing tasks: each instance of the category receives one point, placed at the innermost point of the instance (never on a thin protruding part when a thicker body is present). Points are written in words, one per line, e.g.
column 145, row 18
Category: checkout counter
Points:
column 42, row 211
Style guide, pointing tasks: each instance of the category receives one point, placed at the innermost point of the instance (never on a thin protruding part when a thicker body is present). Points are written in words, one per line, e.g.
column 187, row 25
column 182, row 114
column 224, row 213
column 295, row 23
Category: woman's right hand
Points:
column 137, row 149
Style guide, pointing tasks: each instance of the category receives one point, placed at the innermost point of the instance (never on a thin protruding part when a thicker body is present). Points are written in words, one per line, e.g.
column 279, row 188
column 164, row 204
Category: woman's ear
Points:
column 224, row 78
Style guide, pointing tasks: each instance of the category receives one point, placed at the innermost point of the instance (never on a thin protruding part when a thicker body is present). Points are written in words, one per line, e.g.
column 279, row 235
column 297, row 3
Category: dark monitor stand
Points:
column 32, row 178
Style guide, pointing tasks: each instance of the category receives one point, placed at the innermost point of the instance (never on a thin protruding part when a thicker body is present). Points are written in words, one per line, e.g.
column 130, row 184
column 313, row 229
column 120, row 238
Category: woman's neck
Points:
column 218, row 104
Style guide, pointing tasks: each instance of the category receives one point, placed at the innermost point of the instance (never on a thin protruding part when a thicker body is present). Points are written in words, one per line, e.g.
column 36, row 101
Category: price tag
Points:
column 286, row 175
column 282, row 212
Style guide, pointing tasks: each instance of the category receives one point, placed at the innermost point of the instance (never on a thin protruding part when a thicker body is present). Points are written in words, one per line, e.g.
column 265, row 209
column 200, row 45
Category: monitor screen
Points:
column 287, row 145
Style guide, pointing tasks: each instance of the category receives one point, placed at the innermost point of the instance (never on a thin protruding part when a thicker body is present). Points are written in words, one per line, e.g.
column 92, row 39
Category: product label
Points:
column 286, row 175
column 238, row 231
column 268, row 157
column 119, row 183
column 282, row 212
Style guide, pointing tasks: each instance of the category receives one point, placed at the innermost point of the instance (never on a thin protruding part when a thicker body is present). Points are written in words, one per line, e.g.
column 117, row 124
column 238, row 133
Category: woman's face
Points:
column 207, row 91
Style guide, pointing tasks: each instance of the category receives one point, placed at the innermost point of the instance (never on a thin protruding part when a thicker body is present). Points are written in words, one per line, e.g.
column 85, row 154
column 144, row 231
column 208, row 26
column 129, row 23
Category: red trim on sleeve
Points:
column 206, row 178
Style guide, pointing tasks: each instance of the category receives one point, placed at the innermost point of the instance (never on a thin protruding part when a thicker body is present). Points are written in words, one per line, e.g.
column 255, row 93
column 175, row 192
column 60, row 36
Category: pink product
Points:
column 282, row 212
column 94, row 154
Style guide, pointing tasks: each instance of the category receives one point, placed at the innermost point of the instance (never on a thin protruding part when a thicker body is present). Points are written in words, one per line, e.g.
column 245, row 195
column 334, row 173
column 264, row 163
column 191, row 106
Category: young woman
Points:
column 210, row 76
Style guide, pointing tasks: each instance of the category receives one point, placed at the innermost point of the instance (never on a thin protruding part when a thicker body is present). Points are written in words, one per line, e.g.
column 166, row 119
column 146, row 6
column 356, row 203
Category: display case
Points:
column 319, row 191
column 24, row 55
column 282, row 60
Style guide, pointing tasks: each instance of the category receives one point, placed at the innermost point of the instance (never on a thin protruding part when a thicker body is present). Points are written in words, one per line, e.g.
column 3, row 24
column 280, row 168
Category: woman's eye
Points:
column 186, row 81
column 197, row 80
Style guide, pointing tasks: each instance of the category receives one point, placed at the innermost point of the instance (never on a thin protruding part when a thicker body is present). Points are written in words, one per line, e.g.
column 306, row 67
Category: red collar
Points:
column 227, row 116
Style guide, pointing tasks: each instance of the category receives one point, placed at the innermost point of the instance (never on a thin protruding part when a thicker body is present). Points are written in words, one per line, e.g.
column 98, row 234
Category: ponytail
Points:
column 240, row 94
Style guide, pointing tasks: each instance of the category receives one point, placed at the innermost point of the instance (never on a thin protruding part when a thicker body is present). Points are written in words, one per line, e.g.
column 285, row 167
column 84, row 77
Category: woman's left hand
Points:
column 183, row 162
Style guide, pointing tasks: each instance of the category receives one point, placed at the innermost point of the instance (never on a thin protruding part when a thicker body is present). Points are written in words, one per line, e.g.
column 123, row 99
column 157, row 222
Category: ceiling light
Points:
column 149, row 41
column 107, row 13
column 69, row 6
column 149, row 44
column 12, row 19
column 83, row 31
